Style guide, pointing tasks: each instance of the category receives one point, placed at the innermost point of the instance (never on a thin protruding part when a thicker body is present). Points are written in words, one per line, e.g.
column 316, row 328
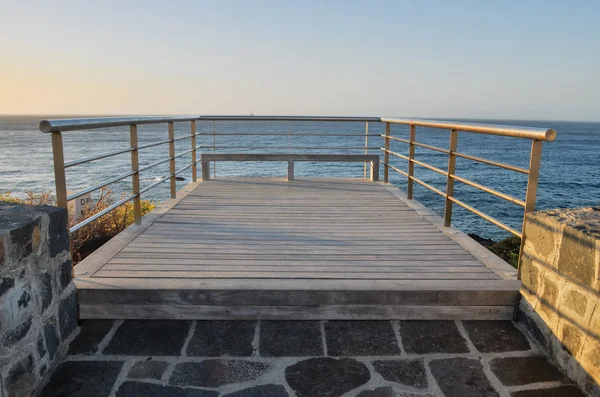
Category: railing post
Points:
column 193, row 139
column 214, row 148
column 59, row 170
column 450, row 181
column 366, row 146
column 172, row 160
column 135, row 178
column 530, row 196
column 386, row 156
column 411, row 165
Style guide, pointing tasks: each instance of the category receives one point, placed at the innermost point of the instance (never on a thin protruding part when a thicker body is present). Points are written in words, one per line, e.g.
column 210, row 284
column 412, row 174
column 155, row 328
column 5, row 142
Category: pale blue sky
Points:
column 477, row 59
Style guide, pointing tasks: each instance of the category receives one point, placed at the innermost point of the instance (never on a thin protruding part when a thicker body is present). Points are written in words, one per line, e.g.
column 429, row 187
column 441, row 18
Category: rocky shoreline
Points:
column 507, row 249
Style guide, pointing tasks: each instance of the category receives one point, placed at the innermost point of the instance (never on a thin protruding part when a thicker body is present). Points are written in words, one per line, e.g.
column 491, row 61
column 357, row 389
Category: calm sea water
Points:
column 570, row 172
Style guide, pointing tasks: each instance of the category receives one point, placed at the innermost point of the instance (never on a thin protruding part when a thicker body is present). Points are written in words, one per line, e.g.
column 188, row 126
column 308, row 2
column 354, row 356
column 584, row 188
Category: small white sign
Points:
column 78, row 206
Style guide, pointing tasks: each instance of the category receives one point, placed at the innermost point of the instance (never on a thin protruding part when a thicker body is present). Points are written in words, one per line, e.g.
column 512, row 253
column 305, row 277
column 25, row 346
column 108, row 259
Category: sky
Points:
column 507, row 59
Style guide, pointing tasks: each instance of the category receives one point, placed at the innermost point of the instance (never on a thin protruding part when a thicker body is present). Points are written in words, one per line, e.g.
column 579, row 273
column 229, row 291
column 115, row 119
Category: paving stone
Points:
column 387, row 391
column 361, row 338
column 423, row 337
column 326, row 376
column 562, row 391
column 83, row 379
column 139, row 389
column 222, row 338
column 215, row 373
column 513, row 371
column 149, row 338
column 496, row 336
column 406, row 372
column 91, row 334
column 149, row 369
column 290, row 338
column 261, row 391
column 462, row 377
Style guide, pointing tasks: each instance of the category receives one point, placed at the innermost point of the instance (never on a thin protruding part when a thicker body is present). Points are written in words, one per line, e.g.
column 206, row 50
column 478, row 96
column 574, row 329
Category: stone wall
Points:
column 561, row 284
column 37, row 297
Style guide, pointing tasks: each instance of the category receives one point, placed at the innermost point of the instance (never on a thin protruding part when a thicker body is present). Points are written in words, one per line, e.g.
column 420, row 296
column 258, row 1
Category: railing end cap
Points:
column 550, row 135
column 45, row 126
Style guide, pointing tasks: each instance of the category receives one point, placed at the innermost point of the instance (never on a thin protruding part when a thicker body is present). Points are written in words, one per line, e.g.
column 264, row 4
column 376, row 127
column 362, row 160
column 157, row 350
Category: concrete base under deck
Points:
column 306, row 249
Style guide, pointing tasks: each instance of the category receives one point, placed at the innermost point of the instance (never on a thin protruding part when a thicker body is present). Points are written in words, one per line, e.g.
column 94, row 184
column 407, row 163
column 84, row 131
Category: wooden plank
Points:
column 245, row 312
column 243, row 267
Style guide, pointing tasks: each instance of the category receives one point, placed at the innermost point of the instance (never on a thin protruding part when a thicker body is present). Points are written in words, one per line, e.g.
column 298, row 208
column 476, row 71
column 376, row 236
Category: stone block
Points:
column 216, row 372
column 572, row 338
column 423, row 337
column 16, row 334
column 91, row 334
column 222, row 338
column 83, row 379
column 410, row 373
column 45, row 290
column 361, row 338
column 496, row 336
column 66, row 273
column 270, row 390
column 149, row 369
column 575, row 301
column 135, row 389
column 6, row 283
column 518, row 371
column 20, row 377
column 543, row 234
column 577, row 257
column 52, row 339
column 561, row 391
column 290, row 338
column 67, row 315
column 149, row 338
column 462, row 377
column 58, row 232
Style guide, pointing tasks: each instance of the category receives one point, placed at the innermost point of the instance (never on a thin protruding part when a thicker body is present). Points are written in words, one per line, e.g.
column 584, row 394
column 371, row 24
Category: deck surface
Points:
column 264, row 234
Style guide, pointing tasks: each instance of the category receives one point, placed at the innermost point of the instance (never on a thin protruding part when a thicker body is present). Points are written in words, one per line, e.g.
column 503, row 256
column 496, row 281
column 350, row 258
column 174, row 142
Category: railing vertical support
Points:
column 172, row 160
column 411, row 157
column 450, row 182
column 386, row 156
column 194, row 161
column 60, row 179
column 366, row 146
column 530, row 196
column 214, row 148
column 135, row 178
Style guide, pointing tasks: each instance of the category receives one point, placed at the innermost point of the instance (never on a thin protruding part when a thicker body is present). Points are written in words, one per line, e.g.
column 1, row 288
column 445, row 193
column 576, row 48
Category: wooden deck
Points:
column 269, row 248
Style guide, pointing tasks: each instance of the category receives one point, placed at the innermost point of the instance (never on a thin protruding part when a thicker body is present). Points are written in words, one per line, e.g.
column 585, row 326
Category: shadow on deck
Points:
column 306, row 249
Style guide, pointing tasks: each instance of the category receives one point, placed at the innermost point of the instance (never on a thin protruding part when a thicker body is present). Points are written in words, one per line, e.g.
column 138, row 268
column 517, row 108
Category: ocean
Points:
column 570, row 170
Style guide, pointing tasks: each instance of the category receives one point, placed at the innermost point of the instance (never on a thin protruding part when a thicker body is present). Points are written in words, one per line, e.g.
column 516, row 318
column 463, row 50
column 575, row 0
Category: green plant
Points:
column 508, row 249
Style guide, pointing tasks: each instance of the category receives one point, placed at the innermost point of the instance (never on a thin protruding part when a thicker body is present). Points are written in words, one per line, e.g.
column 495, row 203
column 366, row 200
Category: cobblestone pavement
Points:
column 304, row 359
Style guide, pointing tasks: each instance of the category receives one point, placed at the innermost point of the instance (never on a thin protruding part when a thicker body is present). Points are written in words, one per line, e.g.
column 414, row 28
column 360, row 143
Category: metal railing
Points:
column 536, row 135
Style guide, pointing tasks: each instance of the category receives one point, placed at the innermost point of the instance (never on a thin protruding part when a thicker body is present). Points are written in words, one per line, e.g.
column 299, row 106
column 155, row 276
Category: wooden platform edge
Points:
column 90, row 265
column 485, row 256
column 343, row 312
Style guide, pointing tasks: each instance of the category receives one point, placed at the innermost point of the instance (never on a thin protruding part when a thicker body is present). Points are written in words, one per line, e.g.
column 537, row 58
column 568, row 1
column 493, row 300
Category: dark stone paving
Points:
column 149, row 338
column 562, row 391
column 361, row 338
column 462, row 377
column 496, row 336
column 290, row 339
column 222, row 338
column 406, row 372
column 326, row 377
column 149, row 369
column 513, row 371
column 423, row 337
column 221, row 359
column 215, row 373
column 261, row 391
column 139, row 389
column 90, row 335
column 83, row 379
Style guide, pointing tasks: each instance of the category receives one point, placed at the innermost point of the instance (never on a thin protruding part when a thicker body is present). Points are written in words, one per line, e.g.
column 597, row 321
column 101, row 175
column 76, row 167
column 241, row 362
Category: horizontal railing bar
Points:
column 152, row 185
column 183, row 169
column 288, row 118
column 430, row 167
column 62, row 125
column 99, row 185
column 486, row 217
column 182, row 137
column 183, row 153
column 286, row 134
column 437, row 149
column 428, row 186
column 102, row 213
column 395, row 154
column 541, row 134
column 394, row 138
column 490, row 162
column 395, row 169
column 154, row 144
column 489, row 190
column 151, row 165
column 288, row 147
column 97, row 157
